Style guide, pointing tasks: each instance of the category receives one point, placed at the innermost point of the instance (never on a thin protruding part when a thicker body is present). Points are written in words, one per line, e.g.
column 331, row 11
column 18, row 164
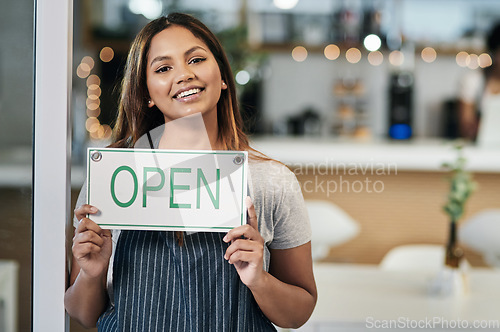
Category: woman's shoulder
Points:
column 269, row 168
column 271, row 177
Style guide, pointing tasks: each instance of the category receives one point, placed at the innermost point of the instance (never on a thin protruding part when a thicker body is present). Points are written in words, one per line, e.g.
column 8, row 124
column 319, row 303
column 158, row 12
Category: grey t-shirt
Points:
column 279, row 205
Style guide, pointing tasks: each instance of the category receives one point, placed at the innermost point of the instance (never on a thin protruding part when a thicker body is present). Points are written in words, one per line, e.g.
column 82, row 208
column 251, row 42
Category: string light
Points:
column 107, row 54
column 83, row 70
column 485, row 60
column 332, row 52
column 93, row 104
column 89, row 61
column 429, row 54
column 461, row 58
column 473, row 61
column 299, row 53
column 93, row 113
column 353, row 55
column 396, row 58
column 95, row 91
column 375, row 58
column 93, row 79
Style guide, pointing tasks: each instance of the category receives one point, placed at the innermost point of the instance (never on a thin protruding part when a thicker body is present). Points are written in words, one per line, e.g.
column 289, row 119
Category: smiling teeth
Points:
column 188, row 93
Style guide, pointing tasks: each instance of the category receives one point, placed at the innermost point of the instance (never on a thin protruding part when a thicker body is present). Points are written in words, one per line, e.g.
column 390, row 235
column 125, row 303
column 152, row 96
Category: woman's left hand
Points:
column 247, row 249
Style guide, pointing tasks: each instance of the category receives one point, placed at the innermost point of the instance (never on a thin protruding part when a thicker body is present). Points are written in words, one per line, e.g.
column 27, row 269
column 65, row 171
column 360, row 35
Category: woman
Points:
column 177, row 75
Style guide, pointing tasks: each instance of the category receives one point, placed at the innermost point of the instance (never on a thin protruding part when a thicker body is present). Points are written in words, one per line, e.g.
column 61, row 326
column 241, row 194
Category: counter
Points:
column 412, row 155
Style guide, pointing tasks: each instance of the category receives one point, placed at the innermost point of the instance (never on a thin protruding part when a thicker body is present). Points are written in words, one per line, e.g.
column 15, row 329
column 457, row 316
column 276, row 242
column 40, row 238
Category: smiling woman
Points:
column 183, row 76
column 178, row 80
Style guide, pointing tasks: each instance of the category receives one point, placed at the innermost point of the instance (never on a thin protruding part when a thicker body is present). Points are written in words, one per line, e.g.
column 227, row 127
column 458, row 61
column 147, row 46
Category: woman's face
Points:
column 182, row 75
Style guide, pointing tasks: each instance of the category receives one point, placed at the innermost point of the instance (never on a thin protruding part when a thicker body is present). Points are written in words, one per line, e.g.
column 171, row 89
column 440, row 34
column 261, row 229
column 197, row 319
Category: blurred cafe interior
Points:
column 365, row 100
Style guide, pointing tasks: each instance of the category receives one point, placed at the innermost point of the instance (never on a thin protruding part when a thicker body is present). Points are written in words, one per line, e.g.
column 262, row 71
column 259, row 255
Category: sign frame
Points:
column 243, row 164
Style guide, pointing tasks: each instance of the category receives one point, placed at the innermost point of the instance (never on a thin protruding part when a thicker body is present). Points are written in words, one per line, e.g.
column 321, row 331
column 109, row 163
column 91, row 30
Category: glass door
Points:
column 16, row 123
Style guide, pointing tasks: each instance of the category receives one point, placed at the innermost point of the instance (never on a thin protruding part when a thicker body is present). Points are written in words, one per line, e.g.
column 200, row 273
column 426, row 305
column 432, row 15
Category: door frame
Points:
column 53, row 36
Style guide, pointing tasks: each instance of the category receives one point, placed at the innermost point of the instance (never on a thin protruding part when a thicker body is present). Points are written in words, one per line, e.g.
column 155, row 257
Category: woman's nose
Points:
column 184, row 74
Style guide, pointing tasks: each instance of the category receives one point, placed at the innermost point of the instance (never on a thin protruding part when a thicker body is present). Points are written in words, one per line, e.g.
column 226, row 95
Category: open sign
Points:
column 167, row 189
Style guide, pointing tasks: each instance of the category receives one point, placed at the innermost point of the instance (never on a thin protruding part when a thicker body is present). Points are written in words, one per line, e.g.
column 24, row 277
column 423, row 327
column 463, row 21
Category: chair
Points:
column 331, row 226
column 481, row 232
column 414, row 257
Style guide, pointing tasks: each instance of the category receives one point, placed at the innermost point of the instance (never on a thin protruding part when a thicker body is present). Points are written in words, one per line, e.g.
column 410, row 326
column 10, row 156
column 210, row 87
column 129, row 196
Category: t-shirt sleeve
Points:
column 291, row 221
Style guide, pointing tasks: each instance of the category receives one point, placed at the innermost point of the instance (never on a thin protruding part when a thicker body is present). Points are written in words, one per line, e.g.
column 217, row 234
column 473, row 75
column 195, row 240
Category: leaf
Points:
column 461, row 186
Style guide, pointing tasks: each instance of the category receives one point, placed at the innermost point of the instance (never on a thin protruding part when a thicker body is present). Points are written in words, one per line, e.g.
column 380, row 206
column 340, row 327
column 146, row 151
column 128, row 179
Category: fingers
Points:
column 82, row 211
column 81, row 250
column 244, row 250
column 87, row 224
column 252, row 216
column 89, row 238
column 243, row 231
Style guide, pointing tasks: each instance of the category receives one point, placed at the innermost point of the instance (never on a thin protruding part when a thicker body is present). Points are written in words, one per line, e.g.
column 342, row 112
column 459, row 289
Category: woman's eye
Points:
column 162, row 69
column 196, row 60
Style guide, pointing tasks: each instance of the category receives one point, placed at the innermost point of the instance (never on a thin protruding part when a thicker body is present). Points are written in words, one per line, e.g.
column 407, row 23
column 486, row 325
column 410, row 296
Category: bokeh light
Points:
column 372, row 42
column 89, row 61
column 473, row 61
column 93, row 104
column 332, row 52
column 461, row 58
column 93, row 79
column 299, row 53
column 83, row 70
column 93, row 113
column 242, row 77
column 94, row 90
column 429, row 54
column 91, row 124
column 485, row 60
column 106, row 54
column 396, row 58
column 353, row 55
column 375, row 58
column 285, row 4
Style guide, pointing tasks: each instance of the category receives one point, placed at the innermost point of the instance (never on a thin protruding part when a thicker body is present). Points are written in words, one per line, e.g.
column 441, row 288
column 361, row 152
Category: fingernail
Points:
column 225, row 239
column 93, row 209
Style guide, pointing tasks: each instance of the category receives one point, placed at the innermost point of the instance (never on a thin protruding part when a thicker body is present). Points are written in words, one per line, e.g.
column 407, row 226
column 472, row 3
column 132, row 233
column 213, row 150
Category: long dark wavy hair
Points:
column 135, row 118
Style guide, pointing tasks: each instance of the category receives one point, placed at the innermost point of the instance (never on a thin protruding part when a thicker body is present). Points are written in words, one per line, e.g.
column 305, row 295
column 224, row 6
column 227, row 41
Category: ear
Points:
column 223, row 85
column 151, row 103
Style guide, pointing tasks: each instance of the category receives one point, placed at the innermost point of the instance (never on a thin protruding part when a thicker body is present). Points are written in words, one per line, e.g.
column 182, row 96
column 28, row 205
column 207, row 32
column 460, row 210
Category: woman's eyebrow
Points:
column 166, row 57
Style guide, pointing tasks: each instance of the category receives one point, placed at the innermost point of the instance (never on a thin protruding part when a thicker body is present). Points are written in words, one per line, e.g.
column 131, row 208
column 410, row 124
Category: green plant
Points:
column 461, row 186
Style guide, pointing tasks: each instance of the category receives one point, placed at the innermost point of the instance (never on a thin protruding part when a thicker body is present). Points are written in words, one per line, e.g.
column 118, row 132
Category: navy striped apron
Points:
column 161, row 286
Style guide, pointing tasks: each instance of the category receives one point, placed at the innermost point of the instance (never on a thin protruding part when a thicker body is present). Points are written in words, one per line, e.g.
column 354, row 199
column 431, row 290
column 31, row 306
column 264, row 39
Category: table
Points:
column 354, row 297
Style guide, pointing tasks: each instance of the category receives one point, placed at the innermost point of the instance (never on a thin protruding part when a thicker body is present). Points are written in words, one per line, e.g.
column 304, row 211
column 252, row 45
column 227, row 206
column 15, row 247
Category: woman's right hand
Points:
column 92, row 245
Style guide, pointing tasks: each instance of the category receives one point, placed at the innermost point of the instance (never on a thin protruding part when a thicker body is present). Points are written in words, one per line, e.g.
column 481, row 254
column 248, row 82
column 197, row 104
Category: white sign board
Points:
column 146, row 189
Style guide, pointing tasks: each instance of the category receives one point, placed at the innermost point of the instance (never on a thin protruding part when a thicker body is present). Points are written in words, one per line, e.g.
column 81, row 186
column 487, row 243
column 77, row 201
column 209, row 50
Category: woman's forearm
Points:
column 86, row 299
column 285, row 305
